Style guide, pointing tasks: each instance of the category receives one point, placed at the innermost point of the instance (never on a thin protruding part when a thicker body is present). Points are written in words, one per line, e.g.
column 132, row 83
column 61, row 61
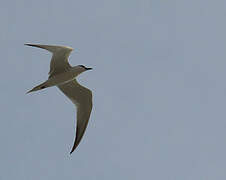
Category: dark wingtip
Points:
column 74, row 147
column 72, row 150
column 29, row 91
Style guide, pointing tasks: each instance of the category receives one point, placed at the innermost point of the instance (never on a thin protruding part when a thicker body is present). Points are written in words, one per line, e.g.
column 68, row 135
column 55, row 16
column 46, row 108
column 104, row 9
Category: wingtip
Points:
column 72, row 151
column 73, row 148
column 28, row 92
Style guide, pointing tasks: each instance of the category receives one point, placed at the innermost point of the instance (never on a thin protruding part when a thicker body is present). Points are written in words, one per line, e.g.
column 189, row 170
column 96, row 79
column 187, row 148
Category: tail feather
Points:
column 37, row 88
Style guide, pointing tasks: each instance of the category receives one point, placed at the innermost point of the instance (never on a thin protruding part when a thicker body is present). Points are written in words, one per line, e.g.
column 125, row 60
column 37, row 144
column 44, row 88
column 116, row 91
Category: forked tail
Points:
column 39, row 87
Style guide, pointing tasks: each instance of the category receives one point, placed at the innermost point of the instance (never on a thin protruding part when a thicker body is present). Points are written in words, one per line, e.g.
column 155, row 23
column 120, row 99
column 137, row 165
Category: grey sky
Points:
column 158, row 82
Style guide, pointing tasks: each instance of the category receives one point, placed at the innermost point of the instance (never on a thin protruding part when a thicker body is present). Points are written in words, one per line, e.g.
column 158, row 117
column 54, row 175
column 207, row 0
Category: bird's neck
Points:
column 75, row 71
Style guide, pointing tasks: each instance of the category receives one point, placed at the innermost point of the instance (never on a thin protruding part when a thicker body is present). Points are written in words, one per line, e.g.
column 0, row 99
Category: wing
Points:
column 59, row 62
column 82, row 98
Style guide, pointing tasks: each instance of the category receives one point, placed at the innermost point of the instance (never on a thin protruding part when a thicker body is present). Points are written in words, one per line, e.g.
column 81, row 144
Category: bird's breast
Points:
column 61, row 78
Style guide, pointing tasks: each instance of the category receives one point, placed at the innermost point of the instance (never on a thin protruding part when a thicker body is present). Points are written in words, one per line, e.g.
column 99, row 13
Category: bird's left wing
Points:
column 59, row 62
column 82, row 98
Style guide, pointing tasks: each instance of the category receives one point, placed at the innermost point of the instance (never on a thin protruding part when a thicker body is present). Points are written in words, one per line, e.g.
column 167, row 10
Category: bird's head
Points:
column 81, row 68
column 84, row 68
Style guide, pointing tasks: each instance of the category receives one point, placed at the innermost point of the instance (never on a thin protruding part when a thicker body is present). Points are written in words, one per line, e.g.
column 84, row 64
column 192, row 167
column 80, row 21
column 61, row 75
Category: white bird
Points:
column 63, row 76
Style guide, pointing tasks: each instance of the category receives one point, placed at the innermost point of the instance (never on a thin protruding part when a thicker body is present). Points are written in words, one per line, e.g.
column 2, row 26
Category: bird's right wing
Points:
column 59, row 62
column 82, row 98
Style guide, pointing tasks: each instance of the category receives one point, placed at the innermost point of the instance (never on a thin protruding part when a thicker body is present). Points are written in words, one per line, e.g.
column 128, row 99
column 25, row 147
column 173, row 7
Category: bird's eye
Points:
column 82, row 66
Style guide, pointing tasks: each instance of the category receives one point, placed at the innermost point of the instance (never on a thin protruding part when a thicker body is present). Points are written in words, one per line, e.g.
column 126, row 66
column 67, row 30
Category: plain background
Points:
column 158, row 83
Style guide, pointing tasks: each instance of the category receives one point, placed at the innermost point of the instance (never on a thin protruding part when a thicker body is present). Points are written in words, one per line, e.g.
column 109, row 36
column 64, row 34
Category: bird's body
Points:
column 59, row 79
column 63, row 76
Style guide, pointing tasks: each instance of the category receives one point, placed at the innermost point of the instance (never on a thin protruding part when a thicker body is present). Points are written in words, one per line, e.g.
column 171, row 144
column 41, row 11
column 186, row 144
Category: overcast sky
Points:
column 158, row 82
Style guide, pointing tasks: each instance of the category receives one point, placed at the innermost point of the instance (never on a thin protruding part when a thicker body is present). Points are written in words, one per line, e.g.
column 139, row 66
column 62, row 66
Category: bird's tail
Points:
column 39, row 87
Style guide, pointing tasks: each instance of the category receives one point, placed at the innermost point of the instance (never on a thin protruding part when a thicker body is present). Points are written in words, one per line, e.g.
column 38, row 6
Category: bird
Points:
column 63, row 75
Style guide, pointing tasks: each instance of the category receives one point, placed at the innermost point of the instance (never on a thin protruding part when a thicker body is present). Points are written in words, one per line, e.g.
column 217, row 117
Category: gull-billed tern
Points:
column 63, row 76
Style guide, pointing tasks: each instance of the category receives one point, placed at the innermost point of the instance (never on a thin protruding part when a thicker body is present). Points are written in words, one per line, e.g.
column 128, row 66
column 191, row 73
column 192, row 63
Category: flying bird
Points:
column 63, row 75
